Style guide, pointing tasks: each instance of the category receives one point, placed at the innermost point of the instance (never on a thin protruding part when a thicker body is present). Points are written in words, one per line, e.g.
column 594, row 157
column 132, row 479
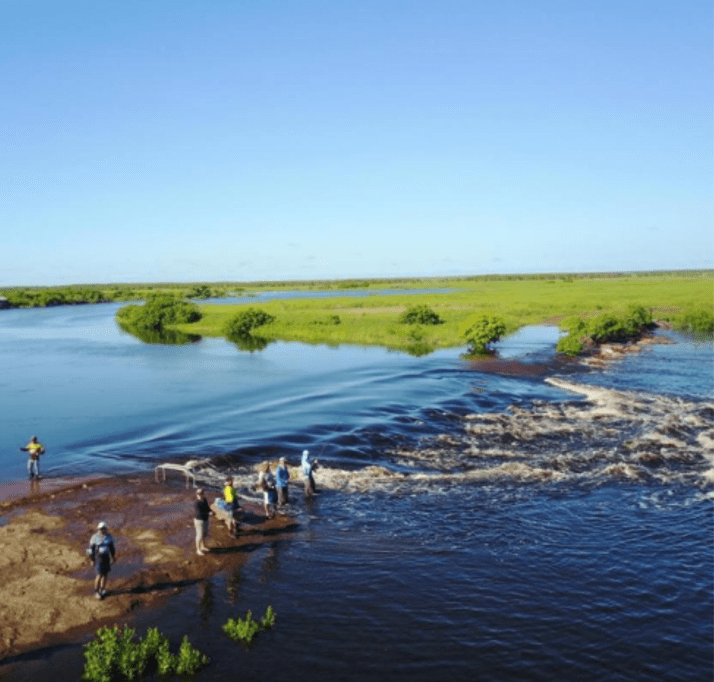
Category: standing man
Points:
column 102, row 553
column 34, row 448
column 232, row 506
column 282, row 478
column 203, row 511
column 266, row 483
column 308, row 467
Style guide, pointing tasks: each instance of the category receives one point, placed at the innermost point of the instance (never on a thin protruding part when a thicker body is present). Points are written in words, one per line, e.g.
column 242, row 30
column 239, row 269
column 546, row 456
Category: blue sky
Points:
column 166, row 140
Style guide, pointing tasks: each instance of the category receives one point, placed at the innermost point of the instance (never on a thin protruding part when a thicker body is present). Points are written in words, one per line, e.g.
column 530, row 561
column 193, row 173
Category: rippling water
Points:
column 475, row 521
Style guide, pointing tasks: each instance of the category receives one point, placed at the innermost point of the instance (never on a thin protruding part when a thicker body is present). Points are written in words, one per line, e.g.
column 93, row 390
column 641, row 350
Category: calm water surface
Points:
column 506, row 553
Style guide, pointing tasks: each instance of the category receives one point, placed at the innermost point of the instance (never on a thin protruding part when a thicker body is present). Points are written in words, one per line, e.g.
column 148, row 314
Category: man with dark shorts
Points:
column 101, row 552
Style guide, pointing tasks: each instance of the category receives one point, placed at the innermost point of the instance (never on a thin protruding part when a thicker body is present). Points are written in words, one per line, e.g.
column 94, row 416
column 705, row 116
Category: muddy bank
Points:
column 46, row 580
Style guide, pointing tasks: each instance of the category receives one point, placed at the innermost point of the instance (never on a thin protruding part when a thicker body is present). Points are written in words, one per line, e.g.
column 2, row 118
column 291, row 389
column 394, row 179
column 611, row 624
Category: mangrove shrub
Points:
column 117, row 654
column 698, row 321
column 420, row 314
column 605, row 328
column 483, row 330
column 159, row 311
column 242, row 324
column 245, row 629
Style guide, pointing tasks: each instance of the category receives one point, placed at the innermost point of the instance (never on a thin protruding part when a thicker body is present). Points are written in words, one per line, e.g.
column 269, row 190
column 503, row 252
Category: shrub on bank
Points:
column 481, row 331
column 420, row 314
column 698, row 321
column 605, row 328
column 159, row 311
column 242, row 324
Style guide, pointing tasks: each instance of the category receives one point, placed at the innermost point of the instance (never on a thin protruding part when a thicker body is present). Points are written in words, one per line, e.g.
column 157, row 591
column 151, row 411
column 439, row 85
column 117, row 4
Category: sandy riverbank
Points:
column 46, row 581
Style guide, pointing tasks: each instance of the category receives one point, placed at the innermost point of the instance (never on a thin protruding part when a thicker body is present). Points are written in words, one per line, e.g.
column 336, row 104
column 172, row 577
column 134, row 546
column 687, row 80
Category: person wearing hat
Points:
column 34, row 448
column 231, row 506
column 102, row 554
column 282, row 478
column 200, row 521
column 308, row 467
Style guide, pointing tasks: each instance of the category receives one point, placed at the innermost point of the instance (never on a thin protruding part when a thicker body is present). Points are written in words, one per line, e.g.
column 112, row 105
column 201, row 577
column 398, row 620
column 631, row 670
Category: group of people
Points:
column 275, row 487
column 275, row 493
column 102, row 551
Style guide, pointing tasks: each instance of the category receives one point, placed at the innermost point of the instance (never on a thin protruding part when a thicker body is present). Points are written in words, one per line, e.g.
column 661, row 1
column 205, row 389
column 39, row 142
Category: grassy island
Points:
column 413, row 322
column 516, row 301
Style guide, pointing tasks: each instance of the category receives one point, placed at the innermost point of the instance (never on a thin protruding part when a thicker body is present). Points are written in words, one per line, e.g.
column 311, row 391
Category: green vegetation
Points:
column 117, row 654
column 245, row 629
column 375, row 320
column 482, row 330
column 682, row 299
column 604, row 328
column 243, row 323
column 240, row 329
column 159, row 312
column 43, row 297
column 697, row 321
column 152, row 322
column 420, row 314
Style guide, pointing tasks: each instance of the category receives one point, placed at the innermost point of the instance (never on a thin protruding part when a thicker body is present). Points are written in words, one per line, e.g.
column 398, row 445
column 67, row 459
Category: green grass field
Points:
column 374, row 320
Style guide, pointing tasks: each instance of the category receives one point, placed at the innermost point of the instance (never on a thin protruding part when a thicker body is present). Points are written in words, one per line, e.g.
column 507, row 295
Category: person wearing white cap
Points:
column 102, row 554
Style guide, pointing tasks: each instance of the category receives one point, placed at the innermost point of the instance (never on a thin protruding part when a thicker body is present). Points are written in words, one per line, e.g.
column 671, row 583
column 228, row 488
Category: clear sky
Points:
column 241, row 140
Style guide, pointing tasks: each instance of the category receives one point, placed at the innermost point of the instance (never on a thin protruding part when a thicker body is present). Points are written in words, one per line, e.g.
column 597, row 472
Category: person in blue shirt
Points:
column 102, row 554
column 308, row 467
column 282, row 478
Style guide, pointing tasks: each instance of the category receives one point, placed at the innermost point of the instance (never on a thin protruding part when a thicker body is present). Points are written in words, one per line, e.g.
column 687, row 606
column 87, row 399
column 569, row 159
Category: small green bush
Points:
column 189, row 660
column 639, row 316
column 569, row 345
column 483, row 330
column 242, row 324
column 574, row 325
column 245, row 629
column 268, row 619
column 420, row 314
column 199, row 291
column 608, row 327
column 116, row 654
column 242, row 629
column 701, row 321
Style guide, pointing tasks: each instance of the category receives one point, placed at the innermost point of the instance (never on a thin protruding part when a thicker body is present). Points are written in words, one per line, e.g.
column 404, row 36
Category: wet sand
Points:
column 47, row 582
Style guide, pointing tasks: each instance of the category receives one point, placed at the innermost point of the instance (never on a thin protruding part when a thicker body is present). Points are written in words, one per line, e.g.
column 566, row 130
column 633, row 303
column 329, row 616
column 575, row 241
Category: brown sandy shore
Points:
column 46, row 580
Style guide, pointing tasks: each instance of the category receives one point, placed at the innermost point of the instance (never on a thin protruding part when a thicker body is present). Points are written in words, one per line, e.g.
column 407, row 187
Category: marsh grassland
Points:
column 375, row 319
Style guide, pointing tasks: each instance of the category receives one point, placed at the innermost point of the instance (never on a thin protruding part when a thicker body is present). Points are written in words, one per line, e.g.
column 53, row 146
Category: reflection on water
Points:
column 249, row 342
column 170, row 337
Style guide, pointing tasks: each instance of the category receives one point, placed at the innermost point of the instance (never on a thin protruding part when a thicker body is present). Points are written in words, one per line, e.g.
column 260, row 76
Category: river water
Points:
column 476, row 521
